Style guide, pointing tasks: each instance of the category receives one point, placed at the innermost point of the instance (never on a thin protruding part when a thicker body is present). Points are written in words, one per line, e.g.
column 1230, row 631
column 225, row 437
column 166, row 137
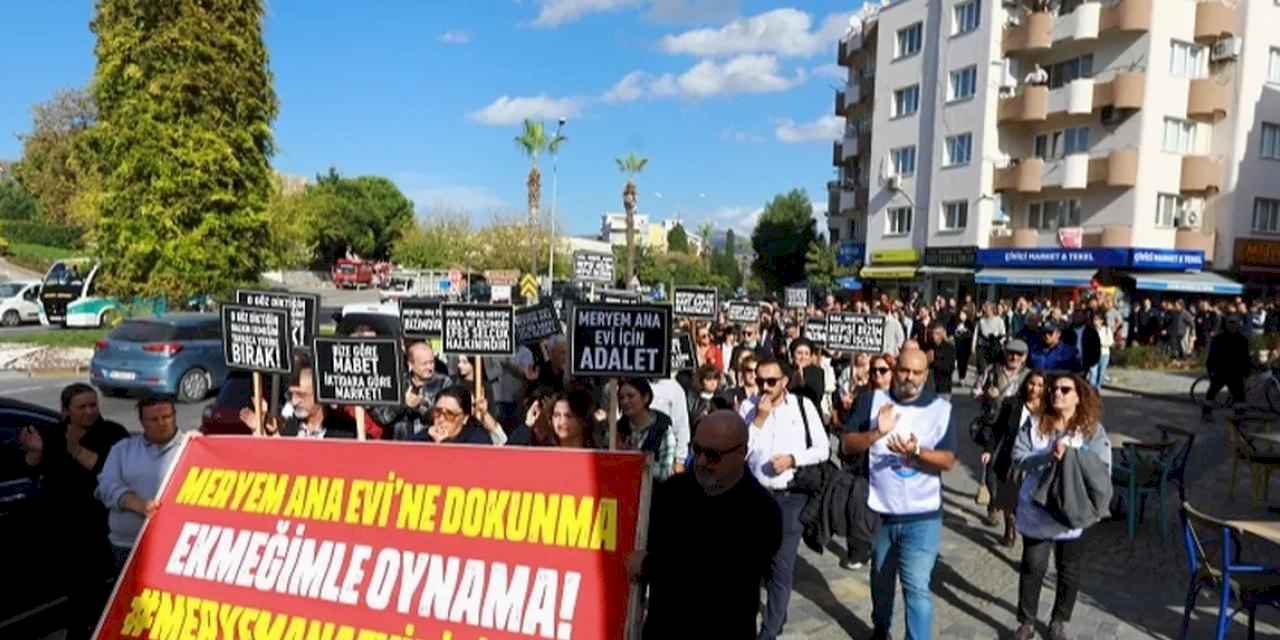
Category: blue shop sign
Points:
column 1170, row 259
column 848, row 283
column 1053, row 257
column 849, row 253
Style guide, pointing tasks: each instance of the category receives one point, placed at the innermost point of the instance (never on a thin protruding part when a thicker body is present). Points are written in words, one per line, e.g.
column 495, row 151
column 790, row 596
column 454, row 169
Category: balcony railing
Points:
column 1097, row 236
column 837, row 155
column 1031, row 105
column 840, row 103
column 1035, row 33
column 1196, row 240
column 1202, row 174
column 1208, row 100
column 1025, row 176
column 1214, row 20
column 1125, row 90
column 1127, row 15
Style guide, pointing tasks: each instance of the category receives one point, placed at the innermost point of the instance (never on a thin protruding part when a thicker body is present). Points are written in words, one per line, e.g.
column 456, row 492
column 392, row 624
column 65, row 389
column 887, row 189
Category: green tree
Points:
column 781, row 239
column 55, row 167
column 290, row 228
column 631, row 164
column 532, row 142
column 365, row 214
column 438, row 242
column 183, row 142
column 820, row 265
column 677, row 240
column 15, row 202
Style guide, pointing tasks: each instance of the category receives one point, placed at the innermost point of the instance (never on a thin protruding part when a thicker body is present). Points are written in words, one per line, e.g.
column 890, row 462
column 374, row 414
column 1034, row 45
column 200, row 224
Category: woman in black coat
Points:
column 997, row 452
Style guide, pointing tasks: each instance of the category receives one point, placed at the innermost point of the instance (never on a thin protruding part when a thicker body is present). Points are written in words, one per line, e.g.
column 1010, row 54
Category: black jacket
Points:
column 1228, row 356
column 1004, row 432
column 943, row 366
column 336, row 424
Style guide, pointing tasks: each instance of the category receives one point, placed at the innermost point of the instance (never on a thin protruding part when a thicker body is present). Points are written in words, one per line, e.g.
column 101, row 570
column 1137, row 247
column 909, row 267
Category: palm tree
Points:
column 631, row 164
column 532, row 141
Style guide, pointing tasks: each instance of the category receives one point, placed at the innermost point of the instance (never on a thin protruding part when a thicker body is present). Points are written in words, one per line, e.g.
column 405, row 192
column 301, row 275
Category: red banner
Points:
column 286, row 538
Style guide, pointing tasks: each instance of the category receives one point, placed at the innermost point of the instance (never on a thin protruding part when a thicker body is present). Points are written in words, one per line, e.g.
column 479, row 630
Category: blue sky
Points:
column 731, row 100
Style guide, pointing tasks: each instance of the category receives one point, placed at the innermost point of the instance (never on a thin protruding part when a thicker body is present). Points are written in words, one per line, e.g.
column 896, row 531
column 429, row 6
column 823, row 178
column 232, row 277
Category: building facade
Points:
column 1100, row 142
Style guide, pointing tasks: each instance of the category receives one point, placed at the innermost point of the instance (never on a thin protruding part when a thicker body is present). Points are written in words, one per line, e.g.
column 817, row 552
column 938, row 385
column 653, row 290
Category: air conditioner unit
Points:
column 1226, row 49
column 1190, row 219
column 894, row 183
column 1110, row 115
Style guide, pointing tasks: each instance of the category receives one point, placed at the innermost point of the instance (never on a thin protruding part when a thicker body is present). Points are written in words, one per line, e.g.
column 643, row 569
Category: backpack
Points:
column 653, row 438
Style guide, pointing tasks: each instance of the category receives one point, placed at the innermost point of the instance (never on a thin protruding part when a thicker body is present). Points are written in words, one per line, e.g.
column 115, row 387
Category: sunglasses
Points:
column 880, row 370
column 768, row 382
column 713, row 456
column 1066, row 391
column 450, row 415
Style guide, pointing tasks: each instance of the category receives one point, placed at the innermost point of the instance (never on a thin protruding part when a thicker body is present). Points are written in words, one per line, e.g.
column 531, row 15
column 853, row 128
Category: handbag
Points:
column 809, row 479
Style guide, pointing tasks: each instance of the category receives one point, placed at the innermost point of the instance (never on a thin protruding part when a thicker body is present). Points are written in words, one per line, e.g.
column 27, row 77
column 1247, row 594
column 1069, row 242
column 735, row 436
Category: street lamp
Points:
column 555, row 210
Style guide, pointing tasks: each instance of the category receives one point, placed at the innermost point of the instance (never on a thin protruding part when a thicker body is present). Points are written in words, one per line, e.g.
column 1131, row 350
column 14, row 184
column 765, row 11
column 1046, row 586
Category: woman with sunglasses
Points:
column 708, row 351
column 863, row 523
column 746, row 386
column 452, row 421
column 855, row 376
column 644, row 429
column 1070, row 419
column 997, row 453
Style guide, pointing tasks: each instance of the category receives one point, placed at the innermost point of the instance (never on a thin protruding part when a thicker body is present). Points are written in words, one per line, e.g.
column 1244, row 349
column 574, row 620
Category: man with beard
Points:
column 910, row 441
column 739, row 528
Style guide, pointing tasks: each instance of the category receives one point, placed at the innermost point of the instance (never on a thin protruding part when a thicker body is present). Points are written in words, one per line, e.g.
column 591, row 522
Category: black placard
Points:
column 743, row 312
column 359, row 371
column 621, row 341
column 256, row 339
column 593, row 267
column 796, row 297
column 303, row 308
column 815, row 330
column 855, row 332
column 619, row 296
column 478, row 329
column 537, row 322
column 420, row 318
column 696, row 302
column 684, row 357
column 958, row 257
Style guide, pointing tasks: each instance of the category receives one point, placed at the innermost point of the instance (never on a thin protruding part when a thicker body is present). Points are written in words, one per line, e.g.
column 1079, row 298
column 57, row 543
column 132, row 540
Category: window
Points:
column 959, row 150
column 964, row 83
column 835, row 235
column 955, row 215
column 904, row 160
column 1058, row 144
column 1266, row 215
column 1273, row 71
column 1051, row 215
column 1070, row 70
column 899, row 221
column 906, row 101
column 1168, row 210
column 1179, row 136
column 965, row 17
column 908, row 41
column 1271, row 141
column 1186, row 60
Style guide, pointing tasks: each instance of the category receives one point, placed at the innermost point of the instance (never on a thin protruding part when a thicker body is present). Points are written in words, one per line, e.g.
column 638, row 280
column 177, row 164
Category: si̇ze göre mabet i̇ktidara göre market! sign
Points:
column 345, row 540
column 359, row 371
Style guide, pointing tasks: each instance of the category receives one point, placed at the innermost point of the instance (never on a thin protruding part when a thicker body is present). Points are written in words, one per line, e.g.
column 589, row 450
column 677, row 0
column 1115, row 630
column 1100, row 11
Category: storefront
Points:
column 1060, row 273
column 1258, row 266
column 894, row 272
column 1154, row 272
column 948, row 271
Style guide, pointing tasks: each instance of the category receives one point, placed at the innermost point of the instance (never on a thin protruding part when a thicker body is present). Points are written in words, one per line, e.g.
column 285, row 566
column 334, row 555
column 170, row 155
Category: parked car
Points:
column 32, row 609
column 222, row 416
column 19, row 303
column 177, row 354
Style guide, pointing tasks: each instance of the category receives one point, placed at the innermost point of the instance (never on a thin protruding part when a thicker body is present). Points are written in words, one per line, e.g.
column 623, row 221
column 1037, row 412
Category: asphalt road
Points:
column 45, row 392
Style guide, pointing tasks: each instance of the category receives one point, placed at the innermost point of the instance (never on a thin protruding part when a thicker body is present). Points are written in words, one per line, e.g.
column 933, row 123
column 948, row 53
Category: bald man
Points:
column 712, row 536
column 425, row 381
column 908, row 436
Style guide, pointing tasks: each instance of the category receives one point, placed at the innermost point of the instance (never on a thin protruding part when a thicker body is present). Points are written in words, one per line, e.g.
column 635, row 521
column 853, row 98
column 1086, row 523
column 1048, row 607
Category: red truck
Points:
column 352, row 274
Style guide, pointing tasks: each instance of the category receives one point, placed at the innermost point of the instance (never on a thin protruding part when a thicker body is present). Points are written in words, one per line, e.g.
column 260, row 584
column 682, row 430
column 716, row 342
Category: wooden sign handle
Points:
column 612, row 390
column 479, row 374
column 257, row 403
column 360, row 432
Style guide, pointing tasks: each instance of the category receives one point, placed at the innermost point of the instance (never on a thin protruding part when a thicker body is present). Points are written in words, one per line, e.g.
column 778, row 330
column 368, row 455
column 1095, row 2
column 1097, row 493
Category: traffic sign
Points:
column 529, row 286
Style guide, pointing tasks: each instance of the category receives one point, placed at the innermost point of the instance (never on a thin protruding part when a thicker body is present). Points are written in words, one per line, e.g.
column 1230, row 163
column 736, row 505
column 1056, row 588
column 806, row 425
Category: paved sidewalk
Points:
column 1171, row 385
column 1129, row 591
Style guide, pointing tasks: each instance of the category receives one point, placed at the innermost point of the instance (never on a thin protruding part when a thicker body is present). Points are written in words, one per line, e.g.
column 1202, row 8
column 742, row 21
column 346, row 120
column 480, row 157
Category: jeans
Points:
column 1098, row 372
column 782, row 569
column 1068, row 554
column 119, row 556
column 909, row 548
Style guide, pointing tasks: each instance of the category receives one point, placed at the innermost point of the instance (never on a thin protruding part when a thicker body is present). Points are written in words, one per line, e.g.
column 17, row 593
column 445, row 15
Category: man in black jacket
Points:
column 942, row 358
column 1228, row 364
column 1084, row 337
column 708, row 585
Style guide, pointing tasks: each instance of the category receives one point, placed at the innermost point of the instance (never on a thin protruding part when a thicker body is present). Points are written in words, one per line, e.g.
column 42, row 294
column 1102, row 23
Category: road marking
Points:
column 26, row 389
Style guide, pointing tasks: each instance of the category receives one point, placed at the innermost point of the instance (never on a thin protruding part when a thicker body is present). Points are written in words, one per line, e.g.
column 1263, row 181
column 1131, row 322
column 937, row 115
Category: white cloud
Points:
column 507, row 110
column 741, row 219
column 832, row 71
column 631, row 87
column 743, row 74
column 824, row 129
column 786, row 32
column 455, row 37
column 435, row 194
column 557, row 12
column 685, row 11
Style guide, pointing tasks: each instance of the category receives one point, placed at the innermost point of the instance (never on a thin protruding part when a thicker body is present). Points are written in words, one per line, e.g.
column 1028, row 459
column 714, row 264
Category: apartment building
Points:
column 1034, row 145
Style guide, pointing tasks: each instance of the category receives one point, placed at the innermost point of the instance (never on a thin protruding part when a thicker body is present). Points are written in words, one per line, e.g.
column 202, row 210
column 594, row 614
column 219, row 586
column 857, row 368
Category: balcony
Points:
column 1074, row 172
column 1031, row 105
column 850, row 147
column 1124, row 91
column 1075, row 98
column 1195, row 240
column 1202, row 174
column 1024, row 177
column 1214, row 20
column 1208, row 100
column 852, row 95
column 837, row 154
column 1082, row 23
column 1107, row 236
column 840, row 103
column 1127, row 16
column 1034, row 34
column 1116, row 169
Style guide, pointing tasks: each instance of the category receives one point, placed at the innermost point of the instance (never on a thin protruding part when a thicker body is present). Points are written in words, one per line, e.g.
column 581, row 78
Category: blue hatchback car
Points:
column 178, row 354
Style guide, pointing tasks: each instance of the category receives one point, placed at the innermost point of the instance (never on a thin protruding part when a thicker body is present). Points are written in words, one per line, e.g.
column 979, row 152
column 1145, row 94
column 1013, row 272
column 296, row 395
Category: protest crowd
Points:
column 771, row 425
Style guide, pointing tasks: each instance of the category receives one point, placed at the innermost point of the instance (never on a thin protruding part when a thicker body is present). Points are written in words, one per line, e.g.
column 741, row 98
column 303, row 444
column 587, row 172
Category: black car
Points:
column 34, row 595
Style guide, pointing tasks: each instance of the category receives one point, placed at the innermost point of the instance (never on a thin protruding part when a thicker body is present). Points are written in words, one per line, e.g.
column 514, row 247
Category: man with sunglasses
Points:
column 909, row 439
column 786, row 433
column 708, row 585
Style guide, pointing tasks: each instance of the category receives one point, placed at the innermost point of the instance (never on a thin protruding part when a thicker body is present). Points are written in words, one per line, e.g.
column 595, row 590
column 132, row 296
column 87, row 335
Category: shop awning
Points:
column 1190, row 282
column 954, row 271
column 848, row 284
column 1036, row 277
column 906, row 272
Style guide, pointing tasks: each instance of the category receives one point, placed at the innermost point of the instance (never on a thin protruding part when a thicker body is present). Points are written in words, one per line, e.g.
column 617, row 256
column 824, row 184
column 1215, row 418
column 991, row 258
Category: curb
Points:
column 1180, row 398
column 56, row 372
